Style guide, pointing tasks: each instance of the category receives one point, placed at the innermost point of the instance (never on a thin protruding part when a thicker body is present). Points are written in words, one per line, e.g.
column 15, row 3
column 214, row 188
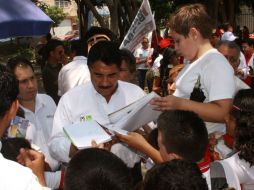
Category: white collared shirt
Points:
column 85, row 102
column 73, row 74
column 42, row 123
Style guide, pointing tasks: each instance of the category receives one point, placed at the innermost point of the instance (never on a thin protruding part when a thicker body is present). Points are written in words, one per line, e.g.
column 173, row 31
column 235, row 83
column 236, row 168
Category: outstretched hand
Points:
column 134, row 140
column 165, row 103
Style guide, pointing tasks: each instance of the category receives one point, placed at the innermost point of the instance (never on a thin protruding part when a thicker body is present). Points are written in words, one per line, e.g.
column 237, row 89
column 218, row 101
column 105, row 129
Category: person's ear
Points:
column 13, row 109
column 193, row 33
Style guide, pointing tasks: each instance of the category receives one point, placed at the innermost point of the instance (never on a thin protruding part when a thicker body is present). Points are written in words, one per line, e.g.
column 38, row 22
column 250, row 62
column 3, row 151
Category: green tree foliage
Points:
column 56, row 14
column 162, row 10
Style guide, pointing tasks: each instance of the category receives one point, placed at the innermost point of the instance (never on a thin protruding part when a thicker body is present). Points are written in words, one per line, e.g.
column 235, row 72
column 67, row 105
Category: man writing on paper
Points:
column 94, row 100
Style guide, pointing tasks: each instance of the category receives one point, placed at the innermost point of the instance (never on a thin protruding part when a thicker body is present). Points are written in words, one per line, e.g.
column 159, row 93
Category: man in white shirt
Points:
column 94, row 101
column 14, row 176
column 39, row 108
column 143, row 61
column 76, row 72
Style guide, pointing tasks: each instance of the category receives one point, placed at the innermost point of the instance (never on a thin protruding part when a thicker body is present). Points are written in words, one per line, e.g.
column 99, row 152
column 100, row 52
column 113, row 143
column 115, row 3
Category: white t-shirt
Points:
column 73, row 74
column 216, row 77
column 17, row 177
column 85, row 102
column 143, row 54
column 238, row 172
column 42, row 123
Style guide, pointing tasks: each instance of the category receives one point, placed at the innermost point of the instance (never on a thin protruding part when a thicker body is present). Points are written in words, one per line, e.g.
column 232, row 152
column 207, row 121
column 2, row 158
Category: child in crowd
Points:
column 97, row 169
column 239, row 167
column 175, row 175
column 11, row 149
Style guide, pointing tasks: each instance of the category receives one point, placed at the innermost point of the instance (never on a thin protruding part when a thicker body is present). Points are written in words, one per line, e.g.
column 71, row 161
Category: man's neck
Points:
column 28, row 104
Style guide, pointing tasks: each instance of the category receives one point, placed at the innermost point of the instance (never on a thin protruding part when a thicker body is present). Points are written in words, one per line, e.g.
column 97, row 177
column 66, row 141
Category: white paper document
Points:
column 134, row 115
column 82, row 134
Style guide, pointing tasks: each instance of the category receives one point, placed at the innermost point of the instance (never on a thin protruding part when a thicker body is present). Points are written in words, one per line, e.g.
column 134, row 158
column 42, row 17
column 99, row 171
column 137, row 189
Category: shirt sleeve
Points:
column 59, row 145
column 219, row 80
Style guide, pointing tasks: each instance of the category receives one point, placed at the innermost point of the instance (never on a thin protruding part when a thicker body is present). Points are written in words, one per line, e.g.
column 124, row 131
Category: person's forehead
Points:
column 100, row 66
column 23, row 72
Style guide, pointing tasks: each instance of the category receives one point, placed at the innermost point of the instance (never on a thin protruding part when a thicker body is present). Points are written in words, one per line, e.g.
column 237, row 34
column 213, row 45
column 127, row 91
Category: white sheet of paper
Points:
column 135, row 115
column 82, row 134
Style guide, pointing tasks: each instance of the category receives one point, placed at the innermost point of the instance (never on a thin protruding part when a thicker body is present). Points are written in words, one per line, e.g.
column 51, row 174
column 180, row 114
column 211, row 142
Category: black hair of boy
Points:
column 105, row 51
column 97, row 169
column 183, row 133
column 175, row 175
column 8, row 90
column 243, row 114
column 11, row 146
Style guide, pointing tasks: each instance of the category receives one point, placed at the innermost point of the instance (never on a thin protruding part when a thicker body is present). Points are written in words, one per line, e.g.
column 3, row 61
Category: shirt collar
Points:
column 79, row 58
column 38, row 104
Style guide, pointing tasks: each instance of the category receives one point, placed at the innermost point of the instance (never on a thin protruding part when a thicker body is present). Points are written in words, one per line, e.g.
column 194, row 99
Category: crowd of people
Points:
column 203, row 138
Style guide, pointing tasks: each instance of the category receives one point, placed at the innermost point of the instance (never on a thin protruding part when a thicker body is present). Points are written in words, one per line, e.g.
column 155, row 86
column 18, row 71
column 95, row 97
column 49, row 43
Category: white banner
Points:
column 141, row 25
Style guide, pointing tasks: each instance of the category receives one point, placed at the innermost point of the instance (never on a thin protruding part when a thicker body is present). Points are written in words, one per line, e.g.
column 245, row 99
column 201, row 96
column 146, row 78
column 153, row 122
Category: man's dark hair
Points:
column 129, row 58
column 97, row 169
column 51, row 46
column 243, row 114
column 105, row 51
column 230, row 45
column 79, row 47
column 11, row 147
column 184, row 134
column 175, row 175
column 18, row 61
column 8, row 90
column 100, row 30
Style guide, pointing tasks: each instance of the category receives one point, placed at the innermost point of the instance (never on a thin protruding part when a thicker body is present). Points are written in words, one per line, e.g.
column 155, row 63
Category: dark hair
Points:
column 165, row 61
column 129, row 58
column 248, row 41
column 175, row 175
column 189, row 16
column 51, row 46
column 184, row 134
column 18, row 61
column 97, row 169
column 230, row 45
column 243, row 113
column 105, row 51
column 8, row 90
column 11, row 146
column 79, row 46
column 100, row 30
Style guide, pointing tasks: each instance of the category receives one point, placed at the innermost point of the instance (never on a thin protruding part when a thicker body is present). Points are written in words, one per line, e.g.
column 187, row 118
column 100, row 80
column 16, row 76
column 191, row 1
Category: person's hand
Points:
column 106, row 146
column 165, row 103
column 134, row 140
column 35, row 161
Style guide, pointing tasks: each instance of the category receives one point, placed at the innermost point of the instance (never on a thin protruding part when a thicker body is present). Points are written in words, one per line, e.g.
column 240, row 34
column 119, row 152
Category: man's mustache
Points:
column 104, row 87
